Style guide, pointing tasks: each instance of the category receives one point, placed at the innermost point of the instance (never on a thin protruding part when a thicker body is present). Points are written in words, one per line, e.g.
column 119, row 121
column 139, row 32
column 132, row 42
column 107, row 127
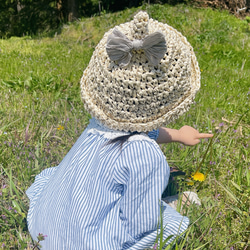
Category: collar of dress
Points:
column 95, row 127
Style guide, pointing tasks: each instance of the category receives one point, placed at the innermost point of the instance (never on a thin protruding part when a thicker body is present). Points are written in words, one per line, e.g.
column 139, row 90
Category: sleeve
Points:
column 154, row 134
column 40, row 181
column 144, row 172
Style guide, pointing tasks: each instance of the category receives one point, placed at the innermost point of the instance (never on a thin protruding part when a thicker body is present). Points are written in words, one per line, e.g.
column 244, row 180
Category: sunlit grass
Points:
column 41, row 116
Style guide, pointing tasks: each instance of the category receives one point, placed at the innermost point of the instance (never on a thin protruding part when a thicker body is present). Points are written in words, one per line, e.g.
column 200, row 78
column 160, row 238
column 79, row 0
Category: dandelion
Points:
column 198, row 176
column 190, row 183
column 60, row 127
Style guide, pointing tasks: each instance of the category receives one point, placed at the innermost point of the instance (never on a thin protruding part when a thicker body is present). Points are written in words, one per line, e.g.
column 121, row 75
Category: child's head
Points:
column 143, row 74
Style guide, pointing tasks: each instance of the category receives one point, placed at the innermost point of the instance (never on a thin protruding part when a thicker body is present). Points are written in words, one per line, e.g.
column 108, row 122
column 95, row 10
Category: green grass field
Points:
column 41, row 116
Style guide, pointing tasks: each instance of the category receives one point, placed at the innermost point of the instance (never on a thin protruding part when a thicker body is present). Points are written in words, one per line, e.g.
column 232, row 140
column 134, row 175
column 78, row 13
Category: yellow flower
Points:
column 190, row 183
column 60, row 127
column 198, row 176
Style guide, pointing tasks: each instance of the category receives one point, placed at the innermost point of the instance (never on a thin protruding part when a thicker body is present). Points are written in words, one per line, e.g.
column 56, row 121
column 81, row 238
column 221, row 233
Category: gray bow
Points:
column 119, row 47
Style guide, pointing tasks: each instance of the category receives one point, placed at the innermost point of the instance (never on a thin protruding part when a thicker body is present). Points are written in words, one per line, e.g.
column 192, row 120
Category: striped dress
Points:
column 102, row 196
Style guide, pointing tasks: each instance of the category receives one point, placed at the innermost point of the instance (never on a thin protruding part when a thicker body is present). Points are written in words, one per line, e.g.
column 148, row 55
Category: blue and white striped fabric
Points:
column 102, row 196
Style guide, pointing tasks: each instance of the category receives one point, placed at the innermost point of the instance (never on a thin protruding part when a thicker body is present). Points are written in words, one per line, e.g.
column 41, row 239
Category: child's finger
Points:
column 204, row 135
column 196, row 141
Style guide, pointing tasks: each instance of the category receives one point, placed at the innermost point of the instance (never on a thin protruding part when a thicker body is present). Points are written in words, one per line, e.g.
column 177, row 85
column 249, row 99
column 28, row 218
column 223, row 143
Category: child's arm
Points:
column 186, row 135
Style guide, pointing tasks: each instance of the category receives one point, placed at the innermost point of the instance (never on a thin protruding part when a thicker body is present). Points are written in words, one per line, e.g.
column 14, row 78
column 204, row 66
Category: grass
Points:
column 41, row 116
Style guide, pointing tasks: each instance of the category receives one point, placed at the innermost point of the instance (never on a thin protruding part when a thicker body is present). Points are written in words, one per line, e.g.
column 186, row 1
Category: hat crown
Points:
column 140, row 25
column 141, row 96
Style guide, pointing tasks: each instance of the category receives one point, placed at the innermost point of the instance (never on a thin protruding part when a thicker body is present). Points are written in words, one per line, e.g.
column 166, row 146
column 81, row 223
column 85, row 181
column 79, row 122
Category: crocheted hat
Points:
column 138, row 91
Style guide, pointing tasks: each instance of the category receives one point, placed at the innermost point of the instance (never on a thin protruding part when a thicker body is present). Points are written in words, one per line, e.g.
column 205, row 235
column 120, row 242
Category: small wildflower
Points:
column 190, row 183
column 41, row 237
column 60, row 127
column 221, row 124
column 198, row 176
column 217, row 196
column 155, row 246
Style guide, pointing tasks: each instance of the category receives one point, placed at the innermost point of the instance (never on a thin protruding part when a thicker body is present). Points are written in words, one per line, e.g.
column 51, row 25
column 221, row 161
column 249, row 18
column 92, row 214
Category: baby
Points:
column 106, row 192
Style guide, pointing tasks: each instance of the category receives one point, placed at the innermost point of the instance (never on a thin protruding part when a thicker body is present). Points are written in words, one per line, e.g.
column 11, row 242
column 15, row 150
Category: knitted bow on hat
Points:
column 119, row 47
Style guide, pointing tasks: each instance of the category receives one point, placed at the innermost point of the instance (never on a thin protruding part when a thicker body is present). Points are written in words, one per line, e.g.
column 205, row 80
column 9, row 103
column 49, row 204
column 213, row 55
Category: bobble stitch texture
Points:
column 141, row 97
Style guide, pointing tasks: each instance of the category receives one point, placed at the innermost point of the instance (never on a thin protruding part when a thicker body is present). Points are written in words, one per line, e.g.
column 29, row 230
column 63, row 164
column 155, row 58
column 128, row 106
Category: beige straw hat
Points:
column 128, row 87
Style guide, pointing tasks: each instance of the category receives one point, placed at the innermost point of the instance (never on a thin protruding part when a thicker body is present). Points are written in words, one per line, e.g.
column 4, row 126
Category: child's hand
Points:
column 186, row 135
column 190, row 136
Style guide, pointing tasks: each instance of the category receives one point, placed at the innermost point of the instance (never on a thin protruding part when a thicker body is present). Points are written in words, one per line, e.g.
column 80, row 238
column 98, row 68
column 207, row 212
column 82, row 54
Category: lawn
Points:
column 41, row 116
